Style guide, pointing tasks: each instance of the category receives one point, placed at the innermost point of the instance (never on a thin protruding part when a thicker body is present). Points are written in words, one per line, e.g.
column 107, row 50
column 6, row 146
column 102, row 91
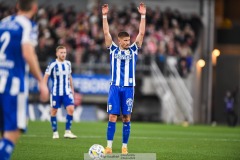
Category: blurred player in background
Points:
column 62, row 91
column 18, row 37
column 123, row 60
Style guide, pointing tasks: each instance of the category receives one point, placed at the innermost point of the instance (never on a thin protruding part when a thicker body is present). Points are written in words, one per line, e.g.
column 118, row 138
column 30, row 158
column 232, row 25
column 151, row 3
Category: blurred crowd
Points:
column 168, row 33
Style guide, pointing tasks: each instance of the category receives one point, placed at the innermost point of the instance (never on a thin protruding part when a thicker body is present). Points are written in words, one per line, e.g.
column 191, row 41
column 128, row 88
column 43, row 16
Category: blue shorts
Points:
column 57, row 101
column 13, row 112
column 120, row 99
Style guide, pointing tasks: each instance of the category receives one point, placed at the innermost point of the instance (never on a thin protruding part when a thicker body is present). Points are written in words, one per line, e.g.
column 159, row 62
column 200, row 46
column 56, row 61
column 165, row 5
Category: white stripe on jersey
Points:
column 112, row 66
column 15, row 88
column 118, row 72
column 67, row 81
column 126, row 74
column 60, row 69
column 21, row 111
column 3, row 82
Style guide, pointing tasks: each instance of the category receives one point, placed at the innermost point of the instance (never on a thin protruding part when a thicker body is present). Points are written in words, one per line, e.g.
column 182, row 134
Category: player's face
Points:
column 61, row 54
column 124, row 42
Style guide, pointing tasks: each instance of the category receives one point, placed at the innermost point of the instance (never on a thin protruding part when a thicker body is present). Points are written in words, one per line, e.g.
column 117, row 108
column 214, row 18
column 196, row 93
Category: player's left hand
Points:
column 44, row 92
column 142, row 8
column 105, row 9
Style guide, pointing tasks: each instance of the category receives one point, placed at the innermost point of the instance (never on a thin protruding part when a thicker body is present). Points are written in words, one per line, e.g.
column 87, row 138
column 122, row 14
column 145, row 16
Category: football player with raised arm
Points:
column 123, row 58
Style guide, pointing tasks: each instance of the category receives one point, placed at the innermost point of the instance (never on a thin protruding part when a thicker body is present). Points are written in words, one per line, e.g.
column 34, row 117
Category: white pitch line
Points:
column 154, row 138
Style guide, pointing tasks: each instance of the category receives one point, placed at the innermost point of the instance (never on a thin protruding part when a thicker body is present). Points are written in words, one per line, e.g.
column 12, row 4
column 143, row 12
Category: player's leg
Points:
column 127, row 104
column 55, row 104
column 68, row 102
column 113, row 110
column 13, row 113
column 125, row 132
column 69, row 117
column 7, row 143
column 111, row 128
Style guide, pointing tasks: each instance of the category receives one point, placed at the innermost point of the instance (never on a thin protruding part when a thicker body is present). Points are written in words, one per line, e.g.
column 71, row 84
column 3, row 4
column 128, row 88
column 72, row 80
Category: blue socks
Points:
column 54, row 123
column 111, row 130
column 126, row 132
column 69, row 119
column 6, row 149
column 69, row 122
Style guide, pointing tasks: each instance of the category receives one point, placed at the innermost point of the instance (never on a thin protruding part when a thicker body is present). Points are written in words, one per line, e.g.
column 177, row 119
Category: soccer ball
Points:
column 96, row 152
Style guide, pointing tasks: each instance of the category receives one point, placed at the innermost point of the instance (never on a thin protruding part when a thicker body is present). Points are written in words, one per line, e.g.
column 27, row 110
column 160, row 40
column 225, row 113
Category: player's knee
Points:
column 53, row 112
column 70, row 110
column 112, row 118
column 13, row 136
column 126, row 118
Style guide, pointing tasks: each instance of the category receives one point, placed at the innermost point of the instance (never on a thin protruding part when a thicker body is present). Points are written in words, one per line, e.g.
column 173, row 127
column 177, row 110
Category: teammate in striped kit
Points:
column 123, row 63
column 18, row 37
column 62, row 90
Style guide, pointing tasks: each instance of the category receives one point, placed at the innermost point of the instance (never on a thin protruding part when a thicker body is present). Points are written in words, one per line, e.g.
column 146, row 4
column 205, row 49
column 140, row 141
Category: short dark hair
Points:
column 60, row 47
column 123, row 34
column 25, row 5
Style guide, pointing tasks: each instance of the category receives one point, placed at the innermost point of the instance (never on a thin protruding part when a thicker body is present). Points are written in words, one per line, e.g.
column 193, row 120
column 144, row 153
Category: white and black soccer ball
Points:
column 96, row 152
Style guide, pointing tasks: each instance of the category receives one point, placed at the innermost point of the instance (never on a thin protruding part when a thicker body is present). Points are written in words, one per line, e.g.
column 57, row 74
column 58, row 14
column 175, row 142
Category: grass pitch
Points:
column 169, row 142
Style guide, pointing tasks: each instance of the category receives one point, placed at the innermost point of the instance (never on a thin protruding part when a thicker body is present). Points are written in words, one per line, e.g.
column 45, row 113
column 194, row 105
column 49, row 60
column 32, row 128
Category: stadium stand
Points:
column 168, row 33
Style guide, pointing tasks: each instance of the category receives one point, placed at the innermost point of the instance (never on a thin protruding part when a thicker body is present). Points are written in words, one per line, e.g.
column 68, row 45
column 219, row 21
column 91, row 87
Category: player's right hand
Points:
column 44, row 92
column 105, row 9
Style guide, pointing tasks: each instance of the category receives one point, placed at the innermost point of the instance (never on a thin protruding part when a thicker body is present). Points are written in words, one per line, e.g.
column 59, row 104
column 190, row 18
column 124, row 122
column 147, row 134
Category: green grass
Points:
column 169, row 142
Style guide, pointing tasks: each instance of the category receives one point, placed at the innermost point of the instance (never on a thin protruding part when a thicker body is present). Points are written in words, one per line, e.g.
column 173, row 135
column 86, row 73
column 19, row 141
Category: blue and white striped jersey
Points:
column 123, row 65
column 60, row 73
column 14, row 31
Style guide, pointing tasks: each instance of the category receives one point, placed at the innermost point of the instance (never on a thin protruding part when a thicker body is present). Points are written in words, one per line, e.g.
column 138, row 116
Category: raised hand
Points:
column 142, row 8
column 105, row 9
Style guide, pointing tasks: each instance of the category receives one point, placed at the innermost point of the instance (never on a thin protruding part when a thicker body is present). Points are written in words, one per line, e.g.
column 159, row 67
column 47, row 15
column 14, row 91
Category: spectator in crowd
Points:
column 170, row 30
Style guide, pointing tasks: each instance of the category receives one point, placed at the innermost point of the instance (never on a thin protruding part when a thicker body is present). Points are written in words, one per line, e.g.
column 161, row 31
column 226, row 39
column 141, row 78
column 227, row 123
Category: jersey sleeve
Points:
column 6, row 19
column 29, row 31
column 49, row 69
column 134, row 48
column 112, row 47
column 30, row 35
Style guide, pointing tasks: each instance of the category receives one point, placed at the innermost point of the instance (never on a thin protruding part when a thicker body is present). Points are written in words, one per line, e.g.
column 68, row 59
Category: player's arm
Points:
column 70, row 79
column 71, row 84
column 107, row 35
column 31, row 58
column 45, row 79
column 142, row 11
